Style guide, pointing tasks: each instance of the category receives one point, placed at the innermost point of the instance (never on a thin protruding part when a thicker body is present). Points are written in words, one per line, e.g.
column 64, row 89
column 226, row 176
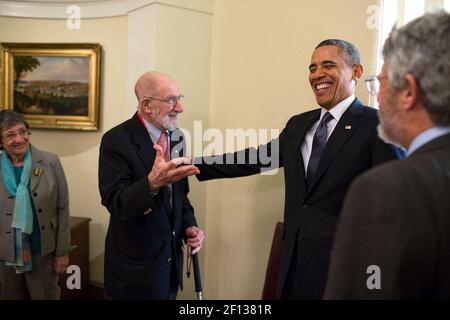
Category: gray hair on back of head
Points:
column 422, row 48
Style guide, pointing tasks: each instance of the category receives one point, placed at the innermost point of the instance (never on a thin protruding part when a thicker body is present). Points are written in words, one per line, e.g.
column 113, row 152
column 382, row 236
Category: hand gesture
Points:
column 166, row 172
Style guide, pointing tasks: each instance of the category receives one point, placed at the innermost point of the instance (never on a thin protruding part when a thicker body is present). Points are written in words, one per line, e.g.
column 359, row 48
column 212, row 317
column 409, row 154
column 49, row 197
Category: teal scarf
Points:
column 23, row 212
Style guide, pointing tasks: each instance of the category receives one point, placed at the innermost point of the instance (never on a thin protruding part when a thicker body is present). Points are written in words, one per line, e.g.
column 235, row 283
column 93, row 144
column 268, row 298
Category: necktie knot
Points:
column 327, row 117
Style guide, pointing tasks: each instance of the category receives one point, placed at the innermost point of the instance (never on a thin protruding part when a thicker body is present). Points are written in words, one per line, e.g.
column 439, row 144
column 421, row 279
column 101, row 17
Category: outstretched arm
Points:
column 241, row 163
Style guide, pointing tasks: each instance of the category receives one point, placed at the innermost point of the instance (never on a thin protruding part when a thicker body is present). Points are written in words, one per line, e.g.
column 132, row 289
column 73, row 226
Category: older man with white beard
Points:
column 393, row 240
column 145, row 191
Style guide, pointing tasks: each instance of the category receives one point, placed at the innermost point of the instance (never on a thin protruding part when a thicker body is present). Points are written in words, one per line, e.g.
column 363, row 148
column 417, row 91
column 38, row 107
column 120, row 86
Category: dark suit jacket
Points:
column 144, row 234
column 310, row 216
column 396, row 217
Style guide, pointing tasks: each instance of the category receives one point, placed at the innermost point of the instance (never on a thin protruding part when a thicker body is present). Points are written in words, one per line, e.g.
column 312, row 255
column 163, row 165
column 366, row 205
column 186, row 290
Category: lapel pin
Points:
column 347, row 127
column 38, row 172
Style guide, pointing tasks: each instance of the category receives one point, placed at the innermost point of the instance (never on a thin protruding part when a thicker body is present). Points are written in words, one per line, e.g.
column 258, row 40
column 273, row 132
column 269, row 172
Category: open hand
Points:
column 166, row 172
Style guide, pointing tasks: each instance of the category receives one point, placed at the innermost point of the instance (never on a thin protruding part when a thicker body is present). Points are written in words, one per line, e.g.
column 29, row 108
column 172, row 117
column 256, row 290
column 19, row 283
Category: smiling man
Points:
column 321, row 151
column 146, row 195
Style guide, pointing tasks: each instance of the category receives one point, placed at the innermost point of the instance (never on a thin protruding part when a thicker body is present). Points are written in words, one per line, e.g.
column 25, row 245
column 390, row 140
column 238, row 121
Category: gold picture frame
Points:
column 55, row 86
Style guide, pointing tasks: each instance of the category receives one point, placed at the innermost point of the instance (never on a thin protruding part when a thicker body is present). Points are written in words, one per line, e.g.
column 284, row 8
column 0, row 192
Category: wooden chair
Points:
column 273, row 265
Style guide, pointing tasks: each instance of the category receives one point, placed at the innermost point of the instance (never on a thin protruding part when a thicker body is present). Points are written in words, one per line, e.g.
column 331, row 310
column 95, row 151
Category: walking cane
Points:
column 197, row 277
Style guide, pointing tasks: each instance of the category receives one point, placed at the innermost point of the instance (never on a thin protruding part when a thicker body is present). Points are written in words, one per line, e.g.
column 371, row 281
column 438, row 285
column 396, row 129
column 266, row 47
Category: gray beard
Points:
column 385, row 137
column 169, row 125
column 164, row 122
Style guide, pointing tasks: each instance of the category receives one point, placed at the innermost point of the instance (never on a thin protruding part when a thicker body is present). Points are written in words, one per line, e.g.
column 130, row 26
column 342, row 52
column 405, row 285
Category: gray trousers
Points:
column 39, row 284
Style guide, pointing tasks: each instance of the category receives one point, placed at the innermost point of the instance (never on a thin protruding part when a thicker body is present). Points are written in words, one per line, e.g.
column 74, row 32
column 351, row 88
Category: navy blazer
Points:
column 145, row 233
column 310, row 216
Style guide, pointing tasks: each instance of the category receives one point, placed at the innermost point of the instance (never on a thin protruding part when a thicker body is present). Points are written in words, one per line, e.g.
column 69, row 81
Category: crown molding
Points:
column 94, row 9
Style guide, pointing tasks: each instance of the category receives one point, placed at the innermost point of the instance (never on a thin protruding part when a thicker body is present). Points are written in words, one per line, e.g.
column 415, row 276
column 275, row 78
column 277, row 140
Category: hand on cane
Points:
column 195, row 237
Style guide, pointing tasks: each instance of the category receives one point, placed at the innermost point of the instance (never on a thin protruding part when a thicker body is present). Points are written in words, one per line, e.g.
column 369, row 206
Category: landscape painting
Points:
column 53, row 86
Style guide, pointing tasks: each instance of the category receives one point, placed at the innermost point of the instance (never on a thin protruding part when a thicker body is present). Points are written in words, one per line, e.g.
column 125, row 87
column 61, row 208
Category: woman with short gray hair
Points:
column 34, row 215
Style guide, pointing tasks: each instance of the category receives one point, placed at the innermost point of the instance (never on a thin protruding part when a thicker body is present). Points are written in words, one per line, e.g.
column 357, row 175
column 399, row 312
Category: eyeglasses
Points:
column 170, row 101
column 10, row 136
column 373, row 84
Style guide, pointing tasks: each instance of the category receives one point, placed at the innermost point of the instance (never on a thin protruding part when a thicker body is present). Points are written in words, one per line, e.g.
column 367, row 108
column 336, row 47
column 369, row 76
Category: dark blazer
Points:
column 396, row 217
column 145, row 233
column 310, row 216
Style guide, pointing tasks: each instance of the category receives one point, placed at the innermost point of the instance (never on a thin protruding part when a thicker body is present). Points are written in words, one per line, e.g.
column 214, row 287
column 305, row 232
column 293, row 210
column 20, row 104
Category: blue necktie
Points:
column 319, row 141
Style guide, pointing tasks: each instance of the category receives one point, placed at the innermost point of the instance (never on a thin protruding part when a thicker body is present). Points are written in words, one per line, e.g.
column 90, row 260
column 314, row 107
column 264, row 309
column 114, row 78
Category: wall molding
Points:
column 94, row 9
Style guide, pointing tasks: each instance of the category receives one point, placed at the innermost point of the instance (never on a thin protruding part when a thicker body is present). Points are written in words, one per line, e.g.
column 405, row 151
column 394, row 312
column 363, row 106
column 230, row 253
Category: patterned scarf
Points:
column 23, row 212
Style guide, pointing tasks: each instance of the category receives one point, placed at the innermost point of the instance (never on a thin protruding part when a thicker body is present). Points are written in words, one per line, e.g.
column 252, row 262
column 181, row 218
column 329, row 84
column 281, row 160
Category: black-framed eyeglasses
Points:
column 373, row 84
column 170, row 101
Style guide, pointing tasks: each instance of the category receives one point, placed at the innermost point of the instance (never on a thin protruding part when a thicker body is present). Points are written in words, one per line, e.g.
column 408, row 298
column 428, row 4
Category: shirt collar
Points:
column 427, row 136
column 338, row 110
column 153, row 131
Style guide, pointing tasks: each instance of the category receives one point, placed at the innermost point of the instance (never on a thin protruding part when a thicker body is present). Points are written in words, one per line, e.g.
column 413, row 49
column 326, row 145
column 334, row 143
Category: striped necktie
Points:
column 164, row 142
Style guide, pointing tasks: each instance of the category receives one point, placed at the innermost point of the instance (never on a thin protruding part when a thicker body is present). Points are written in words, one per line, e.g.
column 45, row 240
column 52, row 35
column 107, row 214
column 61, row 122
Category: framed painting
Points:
column 55, row 86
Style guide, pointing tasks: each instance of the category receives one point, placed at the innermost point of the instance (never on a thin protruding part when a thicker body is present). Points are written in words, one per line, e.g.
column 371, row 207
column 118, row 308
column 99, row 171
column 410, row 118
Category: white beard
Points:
column 166, row 122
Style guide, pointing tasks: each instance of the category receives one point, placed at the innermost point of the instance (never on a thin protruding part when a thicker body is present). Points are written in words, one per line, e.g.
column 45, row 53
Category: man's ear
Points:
column 410, row 94
column 357, row 72
column 145, row 105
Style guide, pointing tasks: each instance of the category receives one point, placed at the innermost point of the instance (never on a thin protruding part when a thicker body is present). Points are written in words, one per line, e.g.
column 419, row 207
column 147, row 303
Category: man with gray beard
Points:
column 393, row 239
column 145, row 191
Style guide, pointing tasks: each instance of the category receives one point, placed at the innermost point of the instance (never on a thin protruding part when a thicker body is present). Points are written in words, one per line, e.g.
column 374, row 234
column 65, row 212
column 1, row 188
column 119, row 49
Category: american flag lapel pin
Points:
column 348, row 127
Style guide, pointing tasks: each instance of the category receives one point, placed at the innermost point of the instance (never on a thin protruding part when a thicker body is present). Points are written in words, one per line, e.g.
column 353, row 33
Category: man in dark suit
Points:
column 321, row 151
column 393, row 240
column 146, row 195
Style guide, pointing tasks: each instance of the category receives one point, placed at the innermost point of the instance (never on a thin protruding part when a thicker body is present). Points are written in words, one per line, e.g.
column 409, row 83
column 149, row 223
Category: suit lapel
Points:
column 344, row 129
column 147, row 155
column 142, row 140
column 36, row 168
